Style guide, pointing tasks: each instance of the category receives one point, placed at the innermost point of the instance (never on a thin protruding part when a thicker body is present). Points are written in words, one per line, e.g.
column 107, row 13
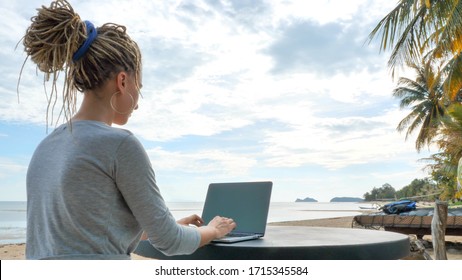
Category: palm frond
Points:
column 410, row 42
column 453, row 72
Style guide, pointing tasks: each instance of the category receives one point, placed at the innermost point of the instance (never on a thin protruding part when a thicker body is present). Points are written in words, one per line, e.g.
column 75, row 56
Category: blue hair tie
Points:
column 91, row 36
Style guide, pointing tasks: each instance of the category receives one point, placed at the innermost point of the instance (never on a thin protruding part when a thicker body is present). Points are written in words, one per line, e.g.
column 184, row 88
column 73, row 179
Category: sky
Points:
column 287, row 91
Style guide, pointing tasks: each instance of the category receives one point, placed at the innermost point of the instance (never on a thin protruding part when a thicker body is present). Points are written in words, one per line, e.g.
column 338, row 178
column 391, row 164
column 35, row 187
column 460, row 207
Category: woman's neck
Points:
column 95, row 108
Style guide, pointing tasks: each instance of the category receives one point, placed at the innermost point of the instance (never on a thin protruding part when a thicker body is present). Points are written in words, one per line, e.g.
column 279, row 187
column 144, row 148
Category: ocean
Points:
column 13, row 214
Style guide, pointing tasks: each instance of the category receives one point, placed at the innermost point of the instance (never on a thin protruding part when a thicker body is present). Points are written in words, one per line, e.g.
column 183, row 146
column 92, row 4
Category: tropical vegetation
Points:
column 418, row 189
column 426, row 36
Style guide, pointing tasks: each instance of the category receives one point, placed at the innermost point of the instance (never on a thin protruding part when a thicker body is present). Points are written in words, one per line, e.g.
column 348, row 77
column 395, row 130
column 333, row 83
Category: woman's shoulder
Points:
column 91, row 132
column 99, row 128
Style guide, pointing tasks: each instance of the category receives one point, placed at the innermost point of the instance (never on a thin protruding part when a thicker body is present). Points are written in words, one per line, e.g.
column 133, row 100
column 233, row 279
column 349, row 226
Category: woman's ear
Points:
column 121, row 80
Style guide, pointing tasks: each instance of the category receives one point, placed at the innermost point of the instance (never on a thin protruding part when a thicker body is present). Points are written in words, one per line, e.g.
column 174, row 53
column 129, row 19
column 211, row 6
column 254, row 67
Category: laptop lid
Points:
column 245, row 202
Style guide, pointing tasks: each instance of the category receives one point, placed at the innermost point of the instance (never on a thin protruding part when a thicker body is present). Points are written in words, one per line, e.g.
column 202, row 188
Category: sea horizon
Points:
column 13, row 214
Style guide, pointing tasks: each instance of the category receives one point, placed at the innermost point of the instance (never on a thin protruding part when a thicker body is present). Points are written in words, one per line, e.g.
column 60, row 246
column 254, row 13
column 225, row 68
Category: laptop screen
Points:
column 247, row 203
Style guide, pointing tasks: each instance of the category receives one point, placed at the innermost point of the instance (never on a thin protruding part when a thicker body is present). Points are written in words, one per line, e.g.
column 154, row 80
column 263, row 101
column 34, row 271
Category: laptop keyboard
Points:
column 234, row 234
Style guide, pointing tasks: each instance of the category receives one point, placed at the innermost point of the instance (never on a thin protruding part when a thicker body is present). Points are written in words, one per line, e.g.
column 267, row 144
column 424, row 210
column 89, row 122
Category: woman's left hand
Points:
column 191, row 220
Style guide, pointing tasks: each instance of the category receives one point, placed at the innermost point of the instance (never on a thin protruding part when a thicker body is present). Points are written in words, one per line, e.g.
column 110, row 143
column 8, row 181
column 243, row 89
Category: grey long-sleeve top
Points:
column 90, row 193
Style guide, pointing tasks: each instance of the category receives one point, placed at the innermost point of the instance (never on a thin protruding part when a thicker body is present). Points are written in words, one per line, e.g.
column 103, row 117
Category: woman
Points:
column 91, row 190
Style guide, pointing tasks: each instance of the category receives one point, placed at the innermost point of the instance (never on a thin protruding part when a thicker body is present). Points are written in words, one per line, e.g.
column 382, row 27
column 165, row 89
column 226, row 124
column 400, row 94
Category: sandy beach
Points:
column 454, row 243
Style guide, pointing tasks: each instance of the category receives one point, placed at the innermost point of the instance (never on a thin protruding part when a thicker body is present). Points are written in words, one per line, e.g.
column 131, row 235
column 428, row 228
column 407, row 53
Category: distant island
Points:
column 346, row 199
column 307, row 199
column 335, row 199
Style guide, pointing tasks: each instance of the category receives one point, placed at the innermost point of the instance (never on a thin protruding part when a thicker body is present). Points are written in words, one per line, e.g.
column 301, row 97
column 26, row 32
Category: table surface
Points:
column 302, row 243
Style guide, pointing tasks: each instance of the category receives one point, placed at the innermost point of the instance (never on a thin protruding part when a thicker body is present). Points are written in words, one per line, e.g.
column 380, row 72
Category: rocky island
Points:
column 346, row 199
column 306, row 199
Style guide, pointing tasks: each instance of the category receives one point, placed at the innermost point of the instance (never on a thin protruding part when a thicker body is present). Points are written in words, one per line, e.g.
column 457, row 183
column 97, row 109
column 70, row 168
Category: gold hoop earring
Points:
column 117, row 111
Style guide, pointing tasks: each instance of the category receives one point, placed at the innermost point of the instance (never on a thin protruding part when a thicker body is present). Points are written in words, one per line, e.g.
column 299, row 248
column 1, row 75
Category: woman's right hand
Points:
column 222, row 225
column 216, row 228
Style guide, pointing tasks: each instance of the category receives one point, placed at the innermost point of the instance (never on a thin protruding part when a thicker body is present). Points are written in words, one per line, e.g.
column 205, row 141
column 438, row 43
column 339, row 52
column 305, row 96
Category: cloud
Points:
column 13, row 178
column 203, row 161
column 251, row 15
column 337, row 142
column 326, row 49
column 320, row 11
column 9, row 167
column 168, row 62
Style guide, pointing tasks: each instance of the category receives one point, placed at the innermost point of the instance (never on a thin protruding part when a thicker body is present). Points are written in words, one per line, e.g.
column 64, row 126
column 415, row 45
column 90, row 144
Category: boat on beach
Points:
column 416, row 222
column 370, row 207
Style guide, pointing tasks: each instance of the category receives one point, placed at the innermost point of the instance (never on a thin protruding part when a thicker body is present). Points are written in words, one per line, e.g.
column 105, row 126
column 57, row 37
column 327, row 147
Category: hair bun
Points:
column 54, row 35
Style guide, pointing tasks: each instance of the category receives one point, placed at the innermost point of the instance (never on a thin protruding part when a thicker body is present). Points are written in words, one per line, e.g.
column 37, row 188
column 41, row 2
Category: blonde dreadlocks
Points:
column 52, row 40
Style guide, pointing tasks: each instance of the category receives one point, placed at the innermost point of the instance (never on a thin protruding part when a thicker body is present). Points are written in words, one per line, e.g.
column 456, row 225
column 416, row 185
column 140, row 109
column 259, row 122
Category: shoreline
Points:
column 17, row 251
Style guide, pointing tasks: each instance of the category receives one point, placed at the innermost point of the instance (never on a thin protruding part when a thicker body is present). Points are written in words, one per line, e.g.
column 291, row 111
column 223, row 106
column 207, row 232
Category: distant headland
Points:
column 346, row 199
column 335, row 199
column 306, row 199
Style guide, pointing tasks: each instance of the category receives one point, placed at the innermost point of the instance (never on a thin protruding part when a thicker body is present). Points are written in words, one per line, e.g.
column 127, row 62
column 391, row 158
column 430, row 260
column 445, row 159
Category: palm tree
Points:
column 451, row 143
column 416, row 28
column 426, row 99
column 443, row 172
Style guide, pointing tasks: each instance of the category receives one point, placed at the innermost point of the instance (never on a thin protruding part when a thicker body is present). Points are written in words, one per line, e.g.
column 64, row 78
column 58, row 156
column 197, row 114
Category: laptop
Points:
column 247, row 203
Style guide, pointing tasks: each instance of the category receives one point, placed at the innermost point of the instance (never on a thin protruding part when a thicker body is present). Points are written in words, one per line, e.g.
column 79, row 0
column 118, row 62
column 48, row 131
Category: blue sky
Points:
column 287, row 91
